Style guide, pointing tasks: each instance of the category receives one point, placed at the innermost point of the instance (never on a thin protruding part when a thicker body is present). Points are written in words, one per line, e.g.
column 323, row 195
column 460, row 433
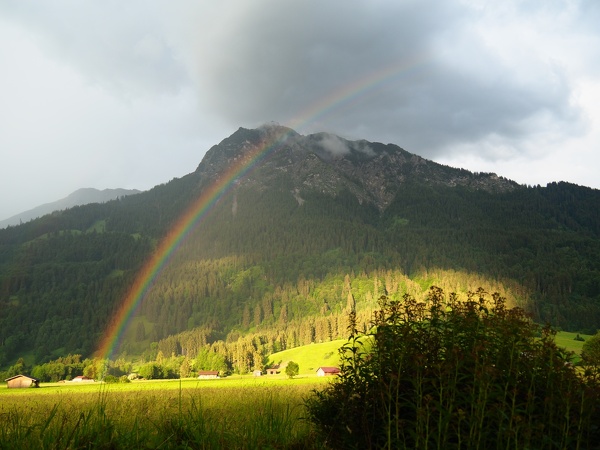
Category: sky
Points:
column 131, row 94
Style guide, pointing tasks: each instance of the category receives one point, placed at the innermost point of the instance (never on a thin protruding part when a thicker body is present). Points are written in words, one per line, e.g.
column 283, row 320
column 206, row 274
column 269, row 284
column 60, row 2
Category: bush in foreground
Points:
column 590, row 353
column 456, row 374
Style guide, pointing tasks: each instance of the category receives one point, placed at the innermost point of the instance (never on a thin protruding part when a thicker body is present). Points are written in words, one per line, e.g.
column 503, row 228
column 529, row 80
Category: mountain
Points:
column 79, row 197
column 290, row 233
column 372, row 172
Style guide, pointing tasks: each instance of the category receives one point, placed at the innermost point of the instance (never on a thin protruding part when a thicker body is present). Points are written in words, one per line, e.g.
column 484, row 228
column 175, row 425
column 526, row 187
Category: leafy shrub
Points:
column 590, row 352
column 111, row 379
column 456, row 374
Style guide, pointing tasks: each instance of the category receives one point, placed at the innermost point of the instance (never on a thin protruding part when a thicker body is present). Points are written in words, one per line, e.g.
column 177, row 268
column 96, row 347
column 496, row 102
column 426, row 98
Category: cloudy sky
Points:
column 131, row 94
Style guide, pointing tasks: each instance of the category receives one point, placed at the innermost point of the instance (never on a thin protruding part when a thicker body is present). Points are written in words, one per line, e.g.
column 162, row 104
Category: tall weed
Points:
column 456, row 374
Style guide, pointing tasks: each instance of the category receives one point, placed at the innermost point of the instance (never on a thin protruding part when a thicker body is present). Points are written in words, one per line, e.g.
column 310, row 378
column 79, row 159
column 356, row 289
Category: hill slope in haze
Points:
column 79, row 197
column 302, row 229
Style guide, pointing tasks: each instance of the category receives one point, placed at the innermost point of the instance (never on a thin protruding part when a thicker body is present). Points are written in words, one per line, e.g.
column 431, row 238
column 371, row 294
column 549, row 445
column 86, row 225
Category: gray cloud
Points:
column 276, row 60
column 334, row 145
column 120, row 46
column 337, row 146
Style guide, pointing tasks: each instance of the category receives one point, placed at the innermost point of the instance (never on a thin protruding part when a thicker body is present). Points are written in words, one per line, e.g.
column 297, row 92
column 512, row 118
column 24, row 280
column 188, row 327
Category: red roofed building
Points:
column 327, row 371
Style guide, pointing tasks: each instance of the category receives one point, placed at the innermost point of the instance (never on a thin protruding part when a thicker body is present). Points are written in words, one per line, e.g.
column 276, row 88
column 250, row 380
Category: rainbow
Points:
column 359, row 88
column 174, row 238
column 115, row 332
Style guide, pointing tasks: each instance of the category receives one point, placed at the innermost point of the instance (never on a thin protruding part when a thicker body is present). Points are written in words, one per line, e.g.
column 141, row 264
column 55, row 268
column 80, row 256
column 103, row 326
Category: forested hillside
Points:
column 291, row 247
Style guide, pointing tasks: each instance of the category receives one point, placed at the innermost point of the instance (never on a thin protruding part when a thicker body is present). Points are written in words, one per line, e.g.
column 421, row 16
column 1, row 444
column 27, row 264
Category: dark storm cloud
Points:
column 278, row 58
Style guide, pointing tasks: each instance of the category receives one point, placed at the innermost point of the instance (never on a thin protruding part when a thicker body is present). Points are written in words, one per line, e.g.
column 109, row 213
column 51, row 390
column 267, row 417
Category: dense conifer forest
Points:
column 276, row 264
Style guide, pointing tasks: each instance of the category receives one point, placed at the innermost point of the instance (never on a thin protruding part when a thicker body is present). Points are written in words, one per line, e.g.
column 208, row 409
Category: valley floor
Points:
column 237, row 412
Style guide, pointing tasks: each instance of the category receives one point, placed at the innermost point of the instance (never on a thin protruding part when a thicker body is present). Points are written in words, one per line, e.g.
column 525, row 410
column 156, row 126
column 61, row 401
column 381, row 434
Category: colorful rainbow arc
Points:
column 204, row 203
column 176, row 235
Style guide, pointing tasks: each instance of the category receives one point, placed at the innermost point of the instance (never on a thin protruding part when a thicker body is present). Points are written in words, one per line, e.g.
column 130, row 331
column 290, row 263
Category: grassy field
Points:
column 566, row 339
column 310, row 357
column 244, row 412
column 237, row 412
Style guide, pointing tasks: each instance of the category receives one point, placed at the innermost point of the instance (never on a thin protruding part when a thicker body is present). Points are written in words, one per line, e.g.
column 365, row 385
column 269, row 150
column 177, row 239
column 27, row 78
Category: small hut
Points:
column 82, row 378
column 22, row 381
column 273, row 370
column 207, row 374
column 327, row 371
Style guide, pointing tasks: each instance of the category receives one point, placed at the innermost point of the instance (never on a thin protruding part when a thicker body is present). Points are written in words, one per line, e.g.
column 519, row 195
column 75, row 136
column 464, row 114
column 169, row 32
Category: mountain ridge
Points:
column 79, row 197
column 371, row 170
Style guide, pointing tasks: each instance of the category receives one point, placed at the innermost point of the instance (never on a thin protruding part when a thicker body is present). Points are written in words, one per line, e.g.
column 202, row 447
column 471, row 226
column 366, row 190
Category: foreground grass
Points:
column 237, row 413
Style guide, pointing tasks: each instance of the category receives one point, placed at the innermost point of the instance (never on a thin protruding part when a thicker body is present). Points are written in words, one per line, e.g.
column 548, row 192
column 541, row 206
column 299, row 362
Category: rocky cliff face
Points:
column 326, row 163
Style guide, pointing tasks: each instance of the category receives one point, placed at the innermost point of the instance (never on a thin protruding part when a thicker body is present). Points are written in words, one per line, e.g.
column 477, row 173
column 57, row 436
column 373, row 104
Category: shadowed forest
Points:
column 290, row 280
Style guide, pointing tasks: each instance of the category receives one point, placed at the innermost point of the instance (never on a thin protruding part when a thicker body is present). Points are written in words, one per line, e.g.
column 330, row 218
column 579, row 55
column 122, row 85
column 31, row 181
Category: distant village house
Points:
column 22, row 381
column 273, row 370
column 207, row 374
column 327, row 371
column 82, row 378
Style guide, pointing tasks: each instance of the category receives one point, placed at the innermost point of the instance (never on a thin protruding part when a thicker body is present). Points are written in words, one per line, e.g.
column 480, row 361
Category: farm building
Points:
column 206, row 374
column 257, row 373
column 273, row 370
column 327, row 371
column 81, row 378
column 22, row 381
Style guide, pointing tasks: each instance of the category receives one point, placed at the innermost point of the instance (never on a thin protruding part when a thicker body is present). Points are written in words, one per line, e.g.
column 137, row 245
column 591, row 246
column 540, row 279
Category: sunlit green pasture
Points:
column 310, row 357
column 566, row 339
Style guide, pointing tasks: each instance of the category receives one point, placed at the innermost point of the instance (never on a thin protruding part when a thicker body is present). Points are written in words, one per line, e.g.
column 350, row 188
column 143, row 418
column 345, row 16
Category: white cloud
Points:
column 334, row 145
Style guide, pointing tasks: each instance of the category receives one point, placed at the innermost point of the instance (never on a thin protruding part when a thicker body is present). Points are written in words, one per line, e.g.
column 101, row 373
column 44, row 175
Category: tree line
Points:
column 271, row 262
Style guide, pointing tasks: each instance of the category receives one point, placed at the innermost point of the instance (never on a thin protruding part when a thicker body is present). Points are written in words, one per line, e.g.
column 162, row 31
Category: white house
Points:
column 81, row 379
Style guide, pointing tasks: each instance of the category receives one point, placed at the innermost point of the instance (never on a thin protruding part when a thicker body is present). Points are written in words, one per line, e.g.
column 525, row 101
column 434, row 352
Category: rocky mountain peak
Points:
column 323, row 162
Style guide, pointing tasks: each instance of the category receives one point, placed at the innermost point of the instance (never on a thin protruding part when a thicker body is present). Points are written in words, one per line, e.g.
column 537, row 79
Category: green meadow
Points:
column 310, row 357
column 236, row 412
column 566, row 339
